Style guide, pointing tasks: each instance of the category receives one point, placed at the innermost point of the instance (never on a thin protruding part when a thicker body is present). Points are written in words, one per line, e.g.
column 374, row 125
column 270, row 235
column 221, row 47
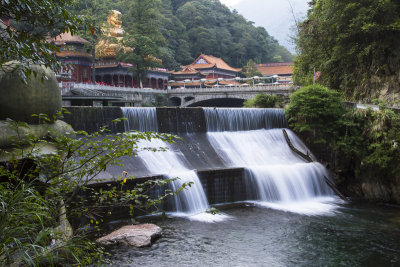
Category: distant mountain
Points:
column 275, row 16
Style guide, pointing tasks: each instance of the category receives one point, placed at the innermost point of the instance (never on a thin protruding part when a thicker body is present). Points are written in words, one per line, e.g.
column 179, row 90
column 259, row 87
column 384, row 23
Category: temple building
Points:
column 114, row 73
column 72, row 52
column 284, row 71
column 205, row 71
column 158, row 78
column 208, row 67
column 187, row 73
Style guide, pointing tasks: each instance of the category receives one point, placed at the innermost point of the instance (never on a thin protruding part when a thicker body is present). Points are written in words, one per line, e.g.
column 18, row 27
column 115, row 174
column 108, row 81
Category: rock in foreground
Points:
column 131, row 235
column 18, row 101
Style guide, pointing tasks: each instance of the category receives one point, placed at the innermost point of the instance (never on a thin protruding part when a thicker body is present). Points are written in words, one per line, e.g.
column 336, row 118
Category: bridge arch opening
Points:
column 188, row 98
column 175, row 101
column 220, row 103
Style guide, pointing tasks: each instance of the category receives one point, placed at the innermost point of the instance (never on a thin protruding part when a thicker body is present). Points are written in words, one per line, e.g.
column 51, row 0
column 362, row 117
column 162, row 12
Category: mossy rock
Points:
column 9, row 138
column 19, row 101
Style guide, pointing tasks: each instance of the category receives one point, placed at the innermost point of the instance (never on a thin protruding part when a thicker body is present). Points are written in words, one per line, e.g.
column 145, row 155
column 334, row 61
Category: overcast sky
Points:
column 274, row 15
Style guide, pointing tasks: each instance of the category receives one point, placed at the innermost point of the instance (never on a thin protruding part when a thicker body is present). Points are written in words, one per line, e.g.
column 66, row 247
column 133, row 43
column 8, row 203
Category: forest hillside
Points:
column 180, row 30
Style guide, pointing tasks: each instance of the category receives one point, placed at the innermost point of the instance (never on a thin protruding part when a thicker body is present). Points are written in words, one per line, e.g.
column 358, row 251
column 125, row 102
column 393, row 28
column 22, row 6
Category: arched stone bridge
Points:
column 90, row 94
column 94, row 94
column 225, row 96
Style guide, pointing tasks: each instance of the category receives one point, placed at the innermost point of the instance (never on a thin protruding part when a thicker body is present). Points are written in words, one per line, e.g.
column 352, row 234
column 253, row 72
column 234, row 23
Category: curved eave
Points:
column 71, row 54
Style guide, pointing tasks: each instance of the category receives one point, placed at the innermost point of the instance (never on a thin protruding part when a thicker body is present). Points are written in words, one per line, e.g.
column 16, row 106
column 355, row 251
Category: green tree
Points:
column 316, row 111
column 250, row 70
column 203, row 40
column 142, row 56
column 358, row 144
column 95, row 13
column 233, row 38
column 284, row 54
column 31, row 21
column 353, row 43
column 369, row 141
column 177, row 51
column 161, row 100
column 264, row 101
column 39, row 192
column 143, row 36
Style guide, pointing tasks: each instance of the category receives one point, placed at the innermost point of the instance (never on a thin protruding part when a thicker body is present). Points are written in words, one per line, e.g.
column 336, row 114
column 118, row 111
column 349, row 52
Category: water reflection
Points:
column 354, row 235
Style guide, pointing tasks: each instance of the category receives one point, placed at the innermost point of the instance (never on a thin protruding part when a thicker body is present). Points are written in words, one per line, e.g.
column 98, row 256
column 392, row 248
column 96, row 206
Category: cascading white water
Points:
column 171, row 164
column 243, row 119
column 140, row 119
column 281, row 178
column 191, row 202
column 250, row 138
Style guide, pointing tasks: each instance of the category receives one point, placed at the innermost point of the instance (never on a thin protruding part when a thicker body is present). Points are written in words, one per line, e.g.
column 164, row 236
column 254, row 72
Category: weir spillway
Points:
column 230, row 155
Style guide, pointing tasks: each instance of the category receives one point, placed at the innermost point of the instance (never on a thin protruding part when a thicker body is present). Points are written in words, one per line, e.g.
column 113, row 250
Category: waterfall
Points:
column 140, row 119
column 275, row 176
column 252, row 139
column 243, row 119
column 171, row 163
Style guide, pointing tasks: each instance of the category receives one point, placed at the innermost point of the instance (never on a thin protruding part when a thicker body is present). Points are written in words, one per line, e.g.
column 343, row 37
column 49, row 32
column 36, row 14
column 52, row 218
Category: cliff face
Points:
column 355, row 45
column 377, row 191
column 367, row 184
column 383, row 81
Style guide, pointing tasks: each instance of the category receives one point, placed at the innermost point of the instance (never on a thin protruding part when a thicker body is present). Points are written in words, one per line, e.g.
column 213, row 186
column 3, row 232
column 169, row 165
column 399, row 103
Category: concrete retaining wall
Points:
column 224, row 186
column 170, row 120
column 181, row 120
column 91, row 119
column 220, row 186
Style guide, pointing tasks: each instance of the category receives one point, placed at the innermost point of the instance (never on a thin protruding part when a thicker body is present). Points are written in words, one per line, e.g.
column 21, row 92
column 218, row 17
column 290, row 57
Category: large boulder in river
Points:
column 19, row 101
column 132, row 235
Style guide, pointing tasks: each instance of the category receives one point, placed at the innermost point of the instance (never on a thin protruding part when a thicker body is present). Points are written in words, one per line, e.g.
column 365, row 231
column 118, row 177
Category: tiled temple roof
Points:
column 71, row 53
column 113, row 64
column 69, row 38
column 186, row 70
column 210, row 62
column 275, row 68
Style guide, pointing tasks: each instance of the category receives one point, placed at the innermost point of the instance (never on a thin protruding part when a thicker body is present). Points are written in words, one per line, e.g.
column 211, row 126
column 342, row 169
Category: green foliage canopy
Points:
column 355, row 44
column 142, row 35
column 316, row 111
column 264, row 101
column 362, row 142
column 31, row 21
column 370, row 139
column 36, row 189
column 250, row 70
column 183, row 29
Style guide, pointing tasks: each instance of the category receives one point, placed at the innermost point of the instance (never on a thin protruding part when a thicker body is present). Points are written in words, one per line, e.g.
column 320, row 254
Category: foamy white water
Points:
column 317, row 206
column 190, row 202
column 276, row 177
column 253, row 148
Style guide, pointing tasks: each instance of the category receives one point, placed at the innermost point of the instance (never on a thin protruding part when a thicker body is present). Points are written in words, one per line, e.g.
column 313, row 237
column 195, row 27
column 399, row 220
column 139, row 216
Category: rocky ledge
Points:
column 132, row 235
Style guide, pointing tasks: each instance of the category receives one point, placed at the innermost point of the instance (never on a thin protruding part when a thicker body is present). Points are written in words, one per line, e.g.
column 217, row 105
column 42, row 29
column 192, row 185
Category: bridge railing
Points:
column 66, row 87
column 257, row 88
column 88, row 92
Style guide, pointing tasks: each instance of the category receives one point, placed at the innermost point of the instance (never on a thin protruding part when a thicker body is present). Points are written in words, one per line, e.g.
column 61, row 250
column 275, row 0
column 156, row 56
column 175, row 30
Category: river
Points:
column 350, row 235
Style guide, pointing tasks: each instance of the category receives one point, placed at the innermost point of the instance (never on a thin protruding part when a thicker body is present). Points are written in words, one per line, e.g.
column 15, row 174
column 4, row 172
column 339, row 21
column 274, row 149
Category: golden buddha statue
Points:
column 111, row 42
